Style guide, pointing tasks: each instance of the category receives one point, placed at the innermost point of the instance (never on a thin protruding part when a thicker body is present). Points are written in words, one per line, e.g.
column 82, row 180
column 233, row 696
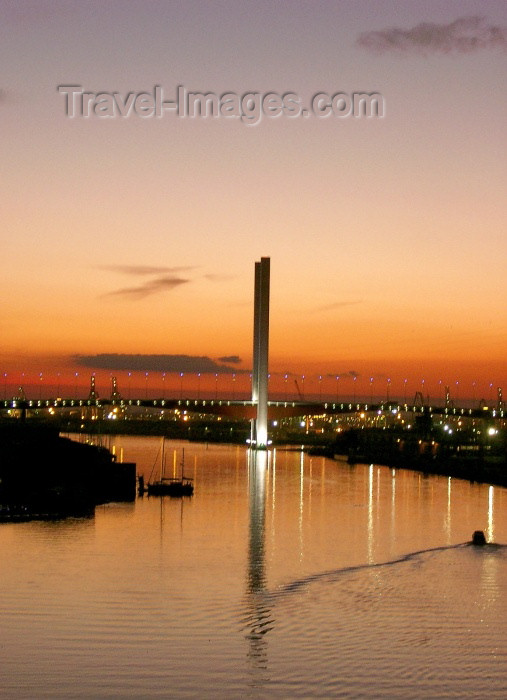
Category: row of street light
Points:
column 346, row 385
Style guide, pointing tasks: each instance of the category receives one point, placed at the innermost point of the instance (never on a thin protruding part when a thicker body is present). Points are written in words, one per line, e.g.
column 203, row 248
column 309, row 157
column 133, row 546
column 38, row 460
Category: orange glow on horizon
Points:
column 314, row 382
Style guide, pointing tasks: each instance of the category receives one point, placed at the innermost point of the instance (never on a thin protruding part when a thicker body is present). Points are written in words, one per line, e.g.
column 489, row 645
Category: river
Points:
column 283, row 576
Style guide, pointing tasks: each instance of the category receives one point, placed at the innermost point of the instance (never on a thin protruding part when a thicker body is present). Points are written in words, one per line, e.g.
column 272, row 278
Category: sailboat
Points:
column 171, row 486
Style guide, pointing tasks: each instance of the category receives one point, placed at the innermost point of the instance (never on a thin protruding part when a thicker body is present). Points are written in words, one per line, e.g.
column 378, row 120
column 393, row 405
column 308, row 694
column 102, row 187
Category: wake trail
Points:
column 294, row 586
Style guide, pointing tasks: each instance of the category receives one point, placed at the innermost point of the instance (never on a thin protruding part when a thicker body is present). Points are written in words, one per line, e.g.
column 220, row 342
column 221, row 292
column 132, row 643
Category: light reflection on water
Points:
column 491, row 530
column 284, row 576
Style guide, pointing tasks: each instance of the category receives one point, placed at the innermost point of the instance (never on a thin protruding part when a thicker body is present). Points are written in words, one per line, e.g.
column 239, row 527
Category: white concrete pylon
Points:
column 261, row 352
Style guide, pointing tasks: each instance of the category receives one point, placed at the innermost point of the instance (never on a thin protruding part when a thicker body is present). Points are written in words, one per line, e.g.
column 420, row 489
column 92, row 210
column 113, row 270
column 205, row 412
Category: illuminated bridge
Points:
column 247, row 410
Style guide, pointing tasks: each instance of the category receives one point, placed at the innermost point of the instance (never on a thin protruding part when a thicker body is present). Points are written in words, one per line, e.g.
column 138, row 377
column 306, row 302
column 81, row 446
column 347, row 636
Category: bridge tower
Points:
column 260, row 353
column 20, row 395
column 418, row 399
column 115, row 393
column 93, row 395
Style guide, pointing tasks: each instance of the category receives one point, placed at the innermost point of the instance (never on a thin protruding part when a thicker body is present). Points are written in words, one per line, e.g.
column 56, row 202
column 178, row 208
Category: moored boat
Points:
column 171, row 486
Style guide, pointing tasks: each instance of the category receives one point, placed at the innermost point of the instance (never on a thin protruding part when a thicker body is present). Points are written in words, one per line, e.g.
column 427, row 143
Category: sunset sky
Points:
column 138, row 235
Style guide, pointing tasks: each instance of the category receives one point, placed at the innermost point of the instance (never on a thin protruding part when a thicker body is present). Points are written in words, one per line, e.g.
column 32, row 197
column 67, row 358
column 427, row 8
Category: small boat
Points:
column 171, row 486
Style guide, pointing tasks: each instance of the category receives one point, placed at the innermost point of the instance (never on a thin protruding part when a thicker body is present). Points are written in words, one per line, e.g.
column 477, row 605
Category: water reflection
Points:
column 258, row 620
column 448, row 512
column 370, row 515
column 301, row 502
column 227, row 603
column 393, row 502
column 257, row 473
column 491, row 530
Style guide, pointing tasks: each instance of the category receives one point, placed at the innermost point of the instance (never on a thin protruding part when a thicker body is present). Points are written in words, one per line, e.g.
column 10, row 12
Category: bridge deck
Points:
column 247, row 409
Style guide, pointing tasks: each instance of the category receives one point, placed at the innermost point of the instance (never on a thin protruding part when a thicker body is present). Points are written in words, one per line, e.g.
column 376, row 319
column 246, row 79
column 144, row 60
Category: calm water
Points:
column 290, row 577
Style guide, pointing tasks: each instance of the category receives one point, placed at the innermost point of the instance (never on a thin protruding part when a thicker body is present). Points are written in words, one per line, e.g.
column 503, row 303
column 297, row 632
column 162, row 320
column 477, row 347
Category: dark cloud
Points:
column 464, row 35
column 350, row 374
column 230, row 359
column 166, row 278
column 139, row 270
column 161, row 284
column 338, row 305
column 155, row 363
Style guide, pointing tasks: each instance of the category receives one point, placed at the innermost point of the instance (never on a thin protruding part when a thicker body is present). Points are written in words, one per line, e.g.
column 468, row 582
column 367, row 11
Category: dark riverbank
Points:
column 223, row 430
column 42, row 474
column 428, row 451
column 425, row 448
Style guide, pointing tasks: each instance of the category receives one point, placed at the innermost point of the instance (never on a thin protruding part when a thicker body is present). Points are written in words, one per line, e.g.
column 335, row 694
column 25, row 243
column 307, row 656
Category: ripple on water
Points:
column 424, row 626
column 167, row 599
